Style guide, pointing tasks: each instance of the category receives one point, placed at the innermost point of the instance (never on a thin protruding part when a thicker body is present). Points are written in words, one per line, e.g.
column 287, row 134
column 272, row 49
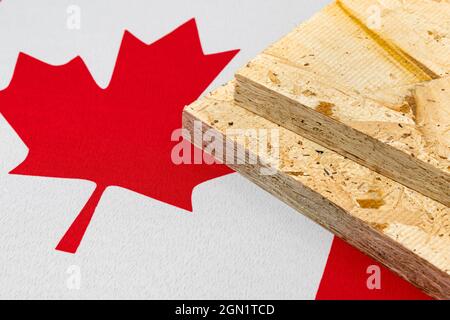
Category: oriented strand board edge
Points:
column 403, row 166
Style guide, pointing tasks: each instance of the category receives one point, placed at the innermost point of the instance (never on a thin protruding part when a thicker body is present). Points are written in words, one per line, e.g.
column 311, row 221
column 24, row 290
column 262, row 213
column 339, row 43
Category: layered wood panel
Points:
column 405, row 230
column 365, row 91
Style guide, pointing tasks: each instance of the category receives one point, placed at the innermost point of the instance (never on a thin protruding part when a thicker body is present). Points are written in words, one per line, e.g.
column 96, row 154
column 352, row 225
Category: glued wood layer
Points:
column 400, row 227
column 362, row 92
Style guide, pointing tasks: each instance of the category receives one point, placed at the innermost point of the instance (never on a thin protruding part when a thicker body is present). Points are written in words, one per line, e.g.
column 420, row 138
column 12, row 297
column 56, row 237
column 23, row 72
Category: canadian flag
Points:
column 91, row 205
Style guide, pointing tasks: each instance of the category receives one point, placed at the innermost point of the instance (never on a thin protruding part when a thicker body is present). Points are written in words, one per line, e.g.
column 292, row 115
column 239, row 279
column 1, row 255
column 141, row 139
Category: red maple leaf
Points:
column 118, row 136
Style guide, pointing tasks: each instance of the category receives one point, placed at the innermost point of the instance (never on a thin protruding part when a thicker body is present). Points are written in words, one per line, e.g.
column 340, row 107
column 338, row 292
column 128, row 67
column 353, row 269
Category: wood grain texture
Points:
column 400, row 227
column 417, row 28
column 363, row 92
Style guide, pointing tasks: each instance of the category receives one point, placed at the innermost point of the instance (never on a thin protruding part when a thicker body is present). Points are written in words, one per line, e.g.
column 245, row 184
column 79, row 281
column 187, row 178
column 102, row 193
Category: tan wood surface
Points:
column 364, row 91
column 417, row 28
column 408, row 232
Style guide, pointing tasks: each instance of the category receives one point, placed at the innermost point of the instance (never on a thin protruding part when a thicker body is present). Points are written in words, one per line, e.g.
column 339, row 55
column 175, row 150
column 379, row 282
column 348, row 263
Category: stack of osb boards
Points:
column 358, row 100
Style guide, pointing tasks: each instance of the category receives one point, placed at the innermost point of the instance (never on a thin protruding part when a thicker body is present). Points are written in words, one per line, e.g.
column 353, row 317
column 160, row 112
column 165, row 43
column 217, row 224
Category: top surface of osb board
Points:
column 405, row 216
column 419, row 28
column 368, row 77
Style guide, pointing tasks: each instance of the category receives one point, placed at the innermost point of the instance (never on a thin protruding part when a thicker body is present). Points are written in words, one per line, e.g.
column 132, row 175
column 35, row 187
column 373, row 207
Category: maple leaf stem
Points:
column 73, row 236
